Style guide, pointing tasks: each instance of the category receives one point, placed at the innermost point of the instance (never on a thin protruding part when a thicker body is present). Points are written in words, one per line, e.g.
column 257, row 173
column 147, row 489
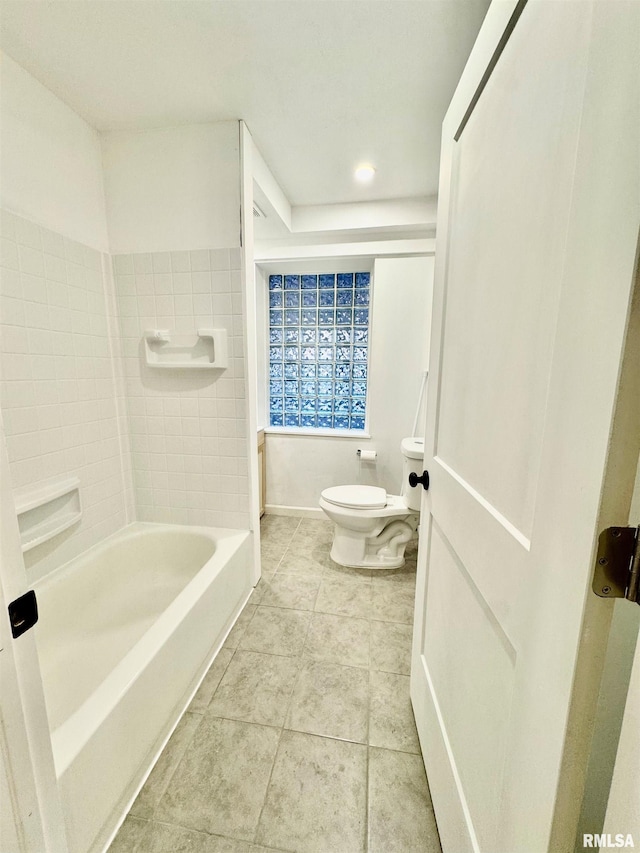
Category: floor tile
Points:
column 339, row 639
column 166, row 838
column 321, row 528
column 392, row 602
column 391, row 721
column 200, row 701
column 308, row 563
column 271, row 555
column 391, row 647
column 153, row 789
column 317, row 795
column 129, row 836
column 256, row 688
column 344, row 597
column 333, row 569
column 308, row 538
column 276, row 631
column 278, row 529
column 330, row 700
column 261, row 587
column 219, row 785
column 405, row 576
column 238, row 630
column 401, row 816
column 270, row 523
column 297, row 592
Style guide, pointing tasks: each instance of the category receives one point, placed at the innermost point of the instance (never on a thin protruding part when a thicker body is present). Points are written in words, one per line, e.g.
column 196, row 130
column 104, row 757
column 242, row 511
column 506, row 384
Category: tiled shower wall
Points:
column 187, row 427
column 78, row 400
column 59, row 388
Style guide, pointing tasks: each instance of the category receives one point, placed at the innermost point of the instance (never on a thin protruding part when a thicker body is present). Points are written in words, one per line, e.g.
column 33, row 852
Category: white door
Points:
column 21, row 828
column 30, row 814
column 537, row 235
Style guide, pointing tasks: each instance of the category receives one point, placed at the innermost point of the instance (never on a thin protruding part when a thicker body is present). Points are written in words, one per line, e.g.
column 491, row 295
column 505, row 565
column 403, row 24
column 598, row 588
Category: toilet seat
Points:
column 356, row 497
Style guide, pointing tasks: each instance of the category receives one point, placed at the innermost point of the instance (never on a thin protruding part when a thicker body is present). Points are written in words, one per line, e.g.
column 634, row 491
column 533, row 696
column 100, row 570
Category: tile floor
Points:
column 301, row 737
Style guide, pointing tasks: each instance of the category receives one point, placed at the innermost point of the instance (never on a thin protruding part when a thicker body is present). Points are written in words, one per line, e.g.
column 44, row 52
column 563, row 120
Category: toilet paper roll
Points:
column 368, row 455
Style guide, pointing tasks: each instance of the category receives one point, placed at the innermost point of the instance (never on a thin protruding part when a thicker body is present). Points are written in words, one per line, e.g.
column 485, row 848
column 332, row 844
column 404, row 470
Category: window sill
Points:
column 316, row 433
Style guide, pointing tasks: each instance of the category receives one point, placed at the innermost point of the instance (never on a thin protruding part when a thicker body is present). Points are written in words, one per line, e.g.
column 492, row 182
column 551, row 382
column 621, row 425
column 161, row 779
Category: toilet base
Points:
column 373, row 561
column 360, row 550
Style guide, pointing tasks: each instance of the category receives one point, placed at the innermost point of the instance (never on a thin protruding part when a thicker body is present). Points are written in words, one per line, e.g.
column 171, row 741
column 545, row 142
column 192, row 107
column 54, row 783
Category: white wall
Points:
column 50, row 160
column 172, row 189
column 299, row 467
column 399, row 214
column 262, row 302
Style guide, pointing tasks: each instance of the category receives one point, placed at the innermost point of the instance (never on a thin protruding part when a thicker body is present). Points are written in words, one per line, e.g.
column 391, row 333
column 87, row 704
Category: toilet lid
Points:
column 358, row 497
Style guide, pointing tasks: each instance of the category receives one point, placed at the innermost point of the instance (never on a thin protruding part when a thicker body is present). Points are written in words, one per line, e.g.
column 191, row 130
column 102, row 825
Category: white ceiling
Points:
column 322, row 84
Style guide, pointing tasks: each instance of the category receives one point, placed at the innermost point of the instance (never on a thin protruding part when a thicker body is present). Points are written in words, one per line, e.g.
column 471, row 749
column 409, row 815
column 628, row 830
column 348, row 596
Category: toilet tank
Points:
column 413, row 460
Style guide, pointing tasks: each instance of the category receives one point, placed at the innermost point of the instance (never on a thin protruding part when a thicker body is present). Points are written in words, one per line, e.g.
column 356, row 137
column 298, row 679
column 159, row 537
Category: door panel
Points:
column 531, row 302
column 479, row 650
column 506, row 244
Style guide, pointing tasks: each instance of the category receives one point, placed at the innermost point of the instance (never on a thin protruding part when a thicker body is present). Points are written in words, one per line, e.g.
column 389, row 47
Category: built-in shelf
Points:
column 46, row 511
column 205, row 349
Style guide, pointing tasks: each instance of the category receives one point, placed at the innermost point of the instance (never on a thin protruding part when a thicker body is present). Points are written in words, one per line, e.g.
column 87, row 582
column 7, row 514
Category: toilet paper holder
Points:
column 367, row 455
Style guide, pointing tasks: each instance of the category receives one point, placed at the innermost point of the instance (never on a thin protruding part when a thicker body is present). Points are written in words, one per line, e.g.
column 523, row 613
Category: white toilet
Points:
column 372, row 528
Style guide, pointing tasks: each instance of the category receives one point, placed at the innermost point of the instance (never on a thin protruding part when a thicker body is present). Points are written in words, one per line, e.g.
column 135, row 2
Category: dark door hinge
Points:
column 617, row 569
column 23, row 613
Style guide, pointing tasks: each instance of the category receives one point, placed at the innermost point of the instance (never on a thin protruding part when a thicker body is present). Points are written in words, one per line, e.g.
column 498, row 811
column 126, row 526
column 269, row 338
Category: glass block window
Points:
column 318, row 350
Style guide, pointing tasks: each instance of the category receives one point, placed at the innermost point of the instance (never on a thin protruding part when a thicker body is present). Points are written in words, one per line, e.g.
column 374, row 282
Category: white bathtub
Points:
column 126, row 633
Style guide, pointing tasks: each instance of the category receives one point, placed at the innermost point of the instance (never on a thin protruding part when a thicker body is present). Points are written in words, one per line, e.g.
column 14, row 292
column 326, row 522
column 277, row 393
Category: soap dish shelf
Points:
column 45, row 512
column 206, row 349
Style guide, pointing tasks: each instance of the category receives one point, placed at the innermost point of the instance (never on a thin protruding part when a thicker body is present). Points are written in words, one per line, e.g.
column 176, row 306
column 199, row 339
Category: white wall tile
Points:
column 181, row 283
column 200, row 260
column 201, row 282
column 142, row 263
column 179, row 423
column 77, row 398
column 123, row 264
column 55, row 268
column 57, row 391
column 161, row 262
column 220, row 259
column 180, row 262
column 9, row 254
column 52, row 243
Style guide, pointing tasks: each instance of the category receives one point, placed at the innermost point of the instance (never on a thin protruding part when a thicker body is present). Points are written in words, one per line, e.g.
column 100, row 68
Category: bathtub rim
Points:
column 69, row 738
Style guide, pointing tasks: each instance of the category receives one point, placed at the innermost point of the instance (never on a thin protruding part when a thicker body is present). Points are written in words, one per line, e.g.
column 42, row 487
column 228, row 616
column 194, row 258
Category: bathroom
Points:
column 143, row 240
column 204, row 341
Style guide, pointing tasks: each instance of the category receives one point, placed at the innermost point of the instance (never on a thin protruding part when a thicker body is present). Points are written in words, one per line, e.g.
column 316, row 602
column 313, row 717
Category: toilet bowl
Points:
column 372, row 528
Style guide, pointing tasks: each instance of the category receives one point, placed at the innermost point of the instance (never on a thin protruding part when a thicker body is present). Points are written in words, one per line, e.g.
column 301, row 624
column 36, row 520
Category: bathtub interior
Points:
column 93, row 610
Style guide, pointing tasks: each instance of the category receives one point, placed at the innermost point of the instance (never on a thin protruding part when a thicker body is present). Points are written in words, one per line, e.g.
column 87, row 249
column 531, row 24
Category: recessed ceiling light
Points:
column 364, row 173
